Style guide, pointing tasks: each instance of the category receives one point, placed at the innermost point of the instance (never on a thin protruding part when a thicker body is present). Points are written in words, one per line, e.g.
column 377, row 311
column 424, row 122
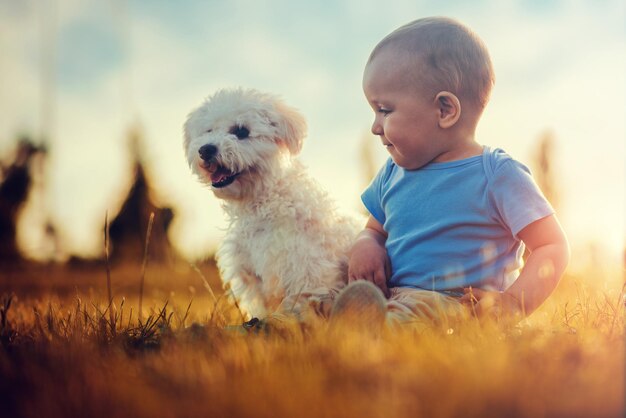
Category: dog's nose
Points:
column 207, row 152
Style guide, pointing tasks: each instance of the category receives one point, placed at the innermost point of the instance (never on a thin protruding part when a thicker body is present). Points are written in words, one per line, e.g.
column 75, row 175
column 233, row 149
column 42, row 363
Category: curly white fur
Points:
column 285, row 235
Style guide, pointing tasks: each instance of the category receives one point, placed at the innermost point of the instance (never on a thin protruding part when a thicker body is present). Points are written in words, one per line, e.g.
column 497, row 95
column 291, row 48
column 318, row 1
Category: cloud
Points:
column 88, row 50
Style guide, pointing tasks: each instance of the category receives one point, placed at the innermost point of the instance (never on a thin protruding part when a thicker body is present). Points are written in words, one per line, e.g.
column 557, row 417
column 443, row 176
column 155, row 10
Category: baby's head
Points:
column 442, row 54
column 428, row 82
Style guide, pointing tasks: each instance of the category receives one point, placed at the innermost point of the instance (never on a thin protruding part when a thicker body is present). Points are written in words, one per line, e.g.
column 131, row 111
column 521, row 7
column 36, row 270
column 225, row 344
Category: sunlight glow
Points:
column 153, row 64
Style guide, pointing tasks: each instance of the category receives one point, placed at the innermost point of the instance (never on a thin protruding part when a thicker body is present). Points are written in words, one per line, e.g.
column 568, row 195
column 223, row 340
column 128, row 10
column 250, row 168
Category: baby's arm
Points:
column 549, row 255
column 368, row 257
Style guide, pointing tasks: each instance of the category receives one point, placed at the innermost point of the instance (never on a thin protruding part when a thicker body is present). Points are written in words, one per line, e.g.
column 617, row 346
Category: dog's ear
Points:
column 291, row 127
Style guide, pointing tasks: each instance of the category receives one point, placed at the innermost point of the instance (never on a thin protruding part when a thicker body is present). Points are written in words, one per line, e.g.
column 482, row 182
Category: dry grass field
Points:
column 65, row 352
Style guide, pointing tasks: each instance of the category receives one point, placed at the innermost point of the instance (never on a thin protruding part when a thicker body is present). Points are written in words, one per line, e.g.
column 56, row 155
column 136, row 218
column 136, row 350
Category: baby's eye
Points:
column 383, row 110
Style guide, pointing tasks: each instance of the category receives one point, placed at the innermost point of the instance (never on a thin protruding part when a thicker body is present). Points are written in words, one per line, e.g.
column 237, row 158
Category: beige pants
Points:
column 405, row 307
column 423, row 308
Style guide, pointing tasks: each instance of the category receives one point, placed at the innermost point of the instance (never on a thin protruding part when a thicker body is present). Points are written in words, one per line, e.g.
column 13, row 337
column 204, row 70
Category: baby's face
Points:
column 406, row 120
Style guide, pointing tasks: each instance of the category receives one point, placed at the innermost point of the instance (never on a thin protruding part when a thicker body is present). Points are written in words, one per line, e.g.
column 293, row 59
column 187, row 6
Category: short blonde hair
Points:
column 455, row 58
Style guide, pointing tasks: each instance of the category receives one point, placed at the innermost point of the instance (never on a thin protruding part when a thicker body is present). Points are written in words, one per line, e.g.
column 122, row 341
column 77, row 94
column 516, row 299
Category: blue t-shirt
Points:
column 455, row 224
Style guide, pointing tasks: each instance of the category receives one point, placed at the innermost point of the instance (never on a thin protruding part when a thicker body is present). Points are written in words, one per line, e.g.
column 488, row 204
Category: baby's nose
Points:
column 377, row 128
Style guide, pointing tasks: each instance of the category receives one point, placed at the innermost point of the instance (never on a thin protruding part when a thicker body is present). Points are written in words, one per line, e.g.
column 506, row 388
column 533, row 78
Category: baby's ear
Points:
column 291, row 127
column 449, row 107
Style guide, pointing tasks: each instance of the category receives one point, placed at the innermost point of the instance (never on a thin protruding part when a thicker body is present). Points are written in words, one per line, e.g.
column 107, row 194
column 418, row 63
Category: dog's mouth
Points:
column 220, row 175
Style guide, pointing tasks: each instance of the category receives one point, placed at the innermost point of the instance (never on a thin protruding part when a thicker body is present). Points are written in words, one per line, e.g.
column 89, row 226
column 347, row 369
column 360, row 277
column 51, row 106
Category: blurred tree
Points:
column 128, row 229
column 14, row 189
column 368, row 164
column 543, row 167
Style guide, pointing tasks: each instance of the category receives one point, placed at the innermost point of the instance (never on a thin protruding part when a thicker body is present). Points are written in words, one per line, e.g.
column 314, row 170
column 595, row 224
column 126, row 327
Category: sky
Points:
column 84, row 72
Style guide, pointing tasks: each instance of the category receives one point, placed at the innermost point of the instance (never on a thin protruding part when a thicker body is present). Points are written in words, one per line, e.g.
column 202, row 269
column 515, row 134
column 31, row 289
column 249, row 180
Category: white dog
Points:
column 285, row 236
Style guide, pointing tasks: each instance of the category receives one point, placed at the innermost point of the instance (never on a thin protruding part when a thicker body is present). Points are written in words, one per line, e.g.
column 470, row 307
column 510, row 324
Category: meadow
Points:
column 65, row 351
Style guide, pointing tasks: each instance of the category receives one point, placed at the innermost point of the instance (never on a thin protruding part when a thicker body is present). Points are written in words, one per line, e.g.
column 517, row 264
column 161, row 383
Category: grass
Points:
column 74, row 354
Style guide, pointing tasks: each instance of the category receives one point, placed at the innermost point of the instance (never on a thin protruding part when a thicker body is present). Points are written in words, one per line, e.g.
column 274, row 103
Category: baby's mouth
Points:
column 220, row 175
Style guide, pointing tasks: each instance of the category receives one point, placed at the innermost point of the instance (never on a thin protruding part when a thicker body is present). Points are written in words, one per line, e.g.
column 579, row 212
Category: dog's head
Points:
column 238, row 135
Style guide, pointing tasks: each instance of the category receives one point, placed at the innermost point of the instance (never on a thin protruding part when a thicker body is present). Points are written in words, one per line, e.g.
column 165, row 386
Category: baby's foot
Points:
column 360, row 307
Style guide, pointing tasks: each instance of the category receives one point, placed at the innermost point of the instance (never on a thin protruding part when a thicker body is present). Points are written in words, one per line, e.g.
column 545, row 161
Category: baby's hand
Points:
column 492, row 304
column 369, row 261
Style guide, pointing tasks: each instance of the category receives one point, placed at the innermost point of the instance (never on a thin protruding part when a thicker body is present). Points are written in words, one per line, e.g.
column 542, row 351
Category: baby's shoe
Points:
column 360, row 307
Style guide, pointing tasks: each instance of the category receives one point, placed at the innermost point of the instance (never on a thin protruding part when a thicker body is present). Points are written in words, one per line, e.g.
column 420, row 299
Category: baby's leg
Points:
column 310, row 303
column 423, row 309
column 406, row 307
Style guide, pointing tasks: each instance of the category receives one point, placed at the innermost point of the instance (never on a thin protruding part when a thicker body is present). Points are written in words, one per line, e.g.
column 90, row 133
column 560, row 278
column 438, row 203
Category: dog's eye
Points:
column 208, row 131
column 241, row 132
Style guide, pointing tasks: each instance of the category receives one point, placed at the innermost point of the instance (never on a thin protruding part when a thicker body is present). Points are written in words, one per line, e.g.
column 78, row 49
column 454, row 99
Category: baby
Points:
column 449, row 218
